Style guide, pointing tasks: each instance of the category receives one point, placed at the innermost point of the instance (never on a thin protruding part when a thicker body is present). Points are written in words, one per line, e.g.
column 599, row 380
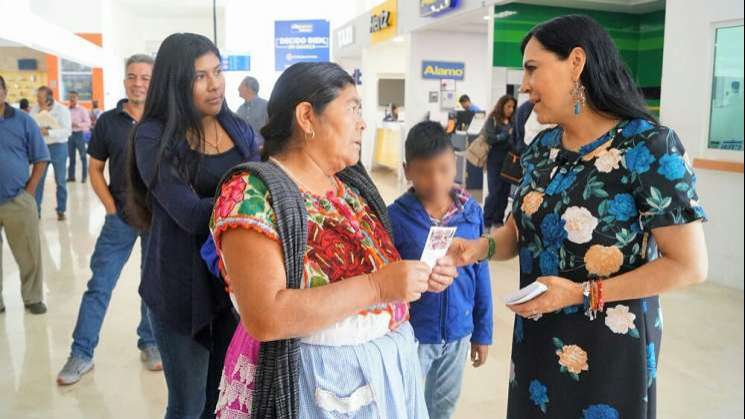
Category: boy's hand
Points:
column 479, row 353
column 442, row 275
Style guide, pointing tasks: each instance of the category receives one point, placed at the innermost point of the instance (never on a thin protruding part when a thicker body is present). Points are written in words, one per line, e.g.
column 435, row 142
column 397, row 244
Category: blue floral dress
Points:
column 584, row 215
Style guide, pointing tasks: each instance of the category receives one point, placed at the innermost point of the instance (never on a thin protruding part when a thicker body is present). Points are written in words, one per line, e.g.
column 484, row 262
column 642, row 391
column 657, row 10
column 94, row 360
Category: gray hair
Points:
column 138, row 59
column 251, row 83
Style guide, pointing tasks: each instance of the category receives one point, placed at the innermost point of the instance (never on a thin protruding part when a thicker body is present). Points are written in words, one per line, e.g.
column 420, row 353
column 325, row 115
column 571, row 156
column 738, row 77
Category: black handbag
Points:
column 512, row 170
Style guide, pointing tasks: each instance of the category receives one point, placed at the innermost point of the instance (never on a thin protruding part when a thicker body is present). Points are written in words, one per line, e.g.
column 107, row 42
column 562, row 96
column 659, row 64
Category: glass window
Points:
column 726, row 119
column 76, row 77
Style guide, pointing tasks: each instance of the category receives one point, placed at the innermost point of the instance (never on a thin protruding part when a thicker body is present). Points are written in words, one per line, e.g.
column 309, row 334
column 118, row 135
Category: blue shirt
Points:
column 465, row 308
column 21, row 144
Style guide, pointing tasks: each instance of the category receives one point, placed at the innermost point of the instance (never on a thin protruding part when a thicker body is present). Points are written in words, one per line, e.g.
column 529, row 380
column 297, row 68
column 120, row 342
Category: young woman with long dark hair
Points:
column 498, row 133
column 607, row 218
column 186, row 141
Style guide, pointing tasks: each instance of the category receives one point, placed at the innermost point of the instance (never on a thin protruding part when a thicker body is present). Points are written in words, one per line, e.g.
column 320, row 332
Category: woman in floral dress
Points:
column 357, row 352
column 608, row 196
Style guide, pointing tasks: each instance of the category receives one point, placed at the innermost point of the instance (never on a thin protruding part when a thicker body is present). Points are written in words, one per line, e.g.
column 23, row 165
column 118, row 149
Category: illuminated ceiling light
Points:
column 505, row 14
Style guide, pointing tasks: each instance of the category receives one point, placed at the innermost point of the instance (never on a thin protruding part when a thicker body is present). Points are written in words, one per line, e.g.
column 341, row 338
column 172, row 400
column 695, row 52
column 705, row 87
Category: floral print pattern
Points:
column 345, row 238
column 539, row 395
column 590, row 215
column 572, row 358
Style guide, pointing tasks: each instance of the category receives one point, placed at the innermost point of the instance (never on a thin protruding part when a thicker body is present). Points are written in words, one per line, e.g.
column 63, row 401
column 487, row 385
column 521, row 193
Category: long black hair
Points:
column 498, row 112
column 608, row 84
column 170, row 102
column 316, row 83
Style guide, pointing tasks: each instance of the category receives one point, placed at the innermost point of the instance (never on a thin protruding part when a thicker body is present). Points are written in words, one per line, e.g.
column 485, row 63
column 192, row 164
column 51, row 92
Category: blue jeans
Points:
column 58, row 155
column 443, row 365
column 113, row 248
column 76, row 142
column 186, row 366
column 192, row 370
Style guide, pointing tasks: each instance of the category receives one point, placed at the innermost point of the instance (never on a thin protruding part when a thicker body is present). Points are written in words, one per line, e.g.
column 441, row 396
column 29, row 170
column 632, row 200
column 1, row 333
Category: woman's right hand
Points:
column 468, row 252
column 402, row 281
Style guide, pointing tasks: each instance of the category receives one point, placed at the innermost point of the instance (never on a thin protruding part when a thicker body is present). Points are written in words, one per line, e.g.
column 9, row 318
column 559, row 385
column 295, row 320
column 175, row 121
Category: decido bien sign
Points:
column 441, row 70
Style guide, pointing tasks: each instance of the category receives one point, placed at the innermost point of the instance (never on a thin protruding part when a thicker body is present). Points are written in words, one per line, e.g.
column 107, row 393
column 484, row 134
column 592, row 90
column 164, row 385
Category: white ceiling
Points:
column 470, row 22
column 173, row 8
column 5, row 43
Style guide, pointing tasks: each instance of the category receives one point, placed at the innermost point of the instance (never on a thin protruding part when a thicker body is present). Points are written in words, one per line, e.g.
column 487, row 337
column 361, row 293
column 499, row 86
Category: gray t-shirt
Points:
column 255, row 114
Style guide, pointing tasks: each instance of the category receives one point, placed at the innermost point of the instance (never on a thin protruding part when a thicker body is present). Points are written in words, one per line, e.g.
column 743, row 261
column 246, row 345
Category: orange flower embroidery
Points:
column 573, row 358
column 603, row 261
column 532, row 202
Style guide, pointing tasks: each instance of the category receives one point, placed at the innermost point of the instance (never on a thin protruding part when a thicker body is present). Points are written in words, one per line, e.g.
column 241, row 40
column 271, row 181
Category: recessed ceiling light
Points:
column 399, row 39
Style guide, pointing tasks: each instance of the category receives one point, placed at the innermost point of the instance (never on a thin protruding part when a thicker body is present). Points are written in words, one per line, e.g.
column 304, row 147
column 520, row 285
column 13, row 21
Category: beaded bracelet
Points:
column 492, row 247
column 593, row 298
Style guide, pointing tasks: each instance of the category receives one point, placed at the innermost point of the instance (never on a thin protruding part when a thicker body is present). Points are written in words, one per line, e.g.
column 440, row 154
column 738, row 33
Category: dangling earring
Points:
column 310, row 135
column 578, row 93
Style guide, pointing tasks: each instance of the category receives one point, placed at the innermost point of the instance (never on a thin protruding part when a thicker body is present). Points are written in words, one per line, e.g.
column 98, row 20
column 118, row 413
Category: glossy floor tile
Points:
column 700, row 371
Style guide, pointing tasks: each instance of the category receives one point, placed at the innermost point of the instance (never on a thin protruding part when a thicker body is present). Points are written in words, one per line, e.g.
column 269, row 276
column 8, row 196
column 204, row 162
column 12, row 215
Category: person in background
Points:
column 607, row 218
column 187, row 139
column 24, row 105
column 467, row 105
column 20, row 145
column 393, row 116
column 520, row 119
column 253, row 110
column 498, row 132
column 95, row 113
column 525, row 126
column 81, row 126
column 54, row 120
column 452, row 323
column 117, row 238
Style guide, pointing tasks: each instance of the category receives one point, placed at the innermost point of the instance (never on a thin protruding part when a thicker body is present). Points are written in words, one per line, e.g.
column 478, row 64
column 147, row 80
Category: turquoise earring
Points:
column 578, row 93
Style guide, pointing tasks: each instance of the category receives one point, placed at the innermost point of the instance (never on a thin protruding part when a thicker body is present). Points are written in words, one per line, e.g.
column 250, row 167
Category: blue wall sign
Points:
column 236, row 63
column 298, row 41
column 436, row 7
column 441, row 70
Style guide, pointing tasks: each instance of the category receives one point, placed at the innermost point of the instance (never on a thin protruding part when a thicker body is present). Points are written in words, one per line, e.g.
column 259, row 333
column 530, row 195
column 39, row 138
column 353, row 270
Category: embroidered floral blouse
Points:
column 345, row 238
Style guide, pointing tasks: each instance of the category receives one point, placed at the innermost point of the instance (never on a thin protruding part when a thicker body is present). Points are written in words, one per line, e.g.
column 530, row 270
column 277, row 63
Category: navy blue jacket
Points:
column 466, row 306
column 176, row 284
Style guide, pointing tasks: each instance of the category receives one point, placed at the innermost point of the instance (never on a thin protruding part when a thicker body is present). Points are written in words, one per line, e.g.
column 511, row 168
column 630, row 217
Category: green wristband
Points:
column 492, row 247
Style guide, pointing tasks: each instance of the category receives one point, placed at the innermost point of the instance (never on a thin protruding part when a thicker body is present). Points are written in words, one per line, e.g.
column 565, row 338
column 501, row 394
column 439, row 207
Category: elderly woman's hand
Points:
column 404, row 280
column 443, row 274
column 561, row 293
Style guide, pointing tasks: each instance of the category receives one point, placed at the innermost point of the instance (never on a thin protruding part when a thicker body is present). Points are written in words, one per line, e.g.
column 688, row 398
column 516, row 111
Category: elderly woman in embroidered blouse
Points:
column 357, row 350
column 607, row 218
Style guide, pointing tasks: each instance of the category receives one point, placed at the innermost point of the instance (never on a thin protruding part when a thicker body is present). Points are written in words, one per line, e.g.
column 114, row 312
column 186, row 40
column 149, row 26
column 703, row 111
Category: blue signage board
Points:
column 236, row 63
column 436, row 7
column 443, row 70
column 297, row 41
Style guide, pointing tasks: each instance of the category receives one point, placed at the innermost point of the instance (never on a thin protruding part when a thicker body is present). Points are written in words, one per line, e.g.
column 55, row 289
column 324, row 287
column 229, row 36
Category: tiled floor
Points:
column 701, row 366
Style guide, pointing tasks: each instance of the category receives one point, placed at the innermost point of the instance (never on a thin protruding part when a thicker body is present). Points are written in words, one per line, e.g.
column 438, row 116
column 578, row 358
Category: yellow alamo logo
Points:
column 433, row 70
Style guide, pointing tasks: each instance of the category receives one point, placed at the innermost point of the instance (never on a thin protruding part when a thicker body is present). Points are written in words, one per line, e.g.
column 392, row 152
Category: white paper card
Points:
column 526, row 294
column 438, row 243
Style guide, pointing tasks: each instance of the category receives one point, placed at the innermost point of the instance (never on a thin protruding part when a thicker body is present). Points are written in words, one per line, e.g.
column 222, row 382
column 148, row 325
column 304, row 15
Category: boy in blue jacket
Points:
column 450, row 323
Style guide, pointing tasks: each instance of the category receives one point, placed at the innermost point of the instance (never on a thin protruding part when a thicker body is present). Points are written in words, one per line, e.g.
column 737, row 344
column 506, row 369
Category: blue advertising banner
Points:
column 236, row 63
column 436, row 7
column 298, row 41
column 443, row 70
